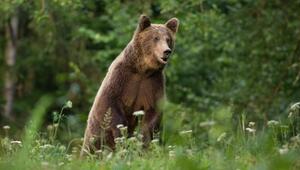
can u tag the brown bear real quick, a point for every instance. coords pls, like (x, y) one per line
(134, 81)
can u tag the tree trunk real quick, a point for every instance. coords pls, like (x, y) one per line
(11, 33)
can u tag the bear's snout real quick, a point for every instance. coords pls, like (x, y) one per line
(166, 55)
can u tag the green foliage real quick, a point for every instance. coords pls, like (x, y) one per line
(235, 62)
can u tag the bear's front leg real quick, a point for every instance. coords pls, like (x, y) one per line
(102, 130)
(92, 136)
(150, 124)
(117, 119)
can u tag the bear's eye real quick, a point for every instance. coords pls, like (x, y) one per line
(168, 40)
(156, 39)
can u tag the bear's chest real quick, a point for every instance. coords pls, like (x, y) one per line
(138, 94)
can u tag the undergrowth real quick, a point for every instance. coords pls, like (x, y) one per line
(209, 144)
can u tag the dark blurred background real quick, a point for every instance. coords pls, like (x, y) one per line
(242, 54)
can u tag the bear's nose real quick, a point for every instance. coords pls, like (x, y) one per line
(167, 52)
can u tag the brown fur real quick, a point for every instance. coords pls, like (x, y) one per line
(134, 81)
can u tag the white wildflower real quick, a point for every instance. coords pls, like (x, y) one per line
(132, 139)
(6, 127)
(49, 127)
(207, 123)
(250, 130)
(123, 129)
(139, 113)
(283, 150)
(185, 132)
(294, 109)
(62, 148)
(69, 157)
(273, 123)
(221, 137)
(69, 104)
(120, 126)
(74, 150)
(155, 141)
(170, 147)
(251, 124)
(17, 143)
(295, 106)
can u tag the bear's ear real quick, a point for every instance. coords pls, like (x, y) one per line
(172, 24)
(144, 22)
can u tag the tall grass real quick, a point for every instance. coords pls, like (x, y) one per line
(188, 144)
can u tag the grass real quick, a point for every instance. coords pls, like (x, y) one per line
(210, 144)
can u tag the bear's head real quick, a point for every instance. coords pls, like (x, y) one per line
(155, 42)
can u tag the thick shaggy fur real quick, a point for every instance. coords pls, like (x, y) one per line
(134, 81)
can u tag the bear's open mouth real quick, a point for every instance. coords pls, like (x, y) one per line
(165, 59)
(162, 60)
